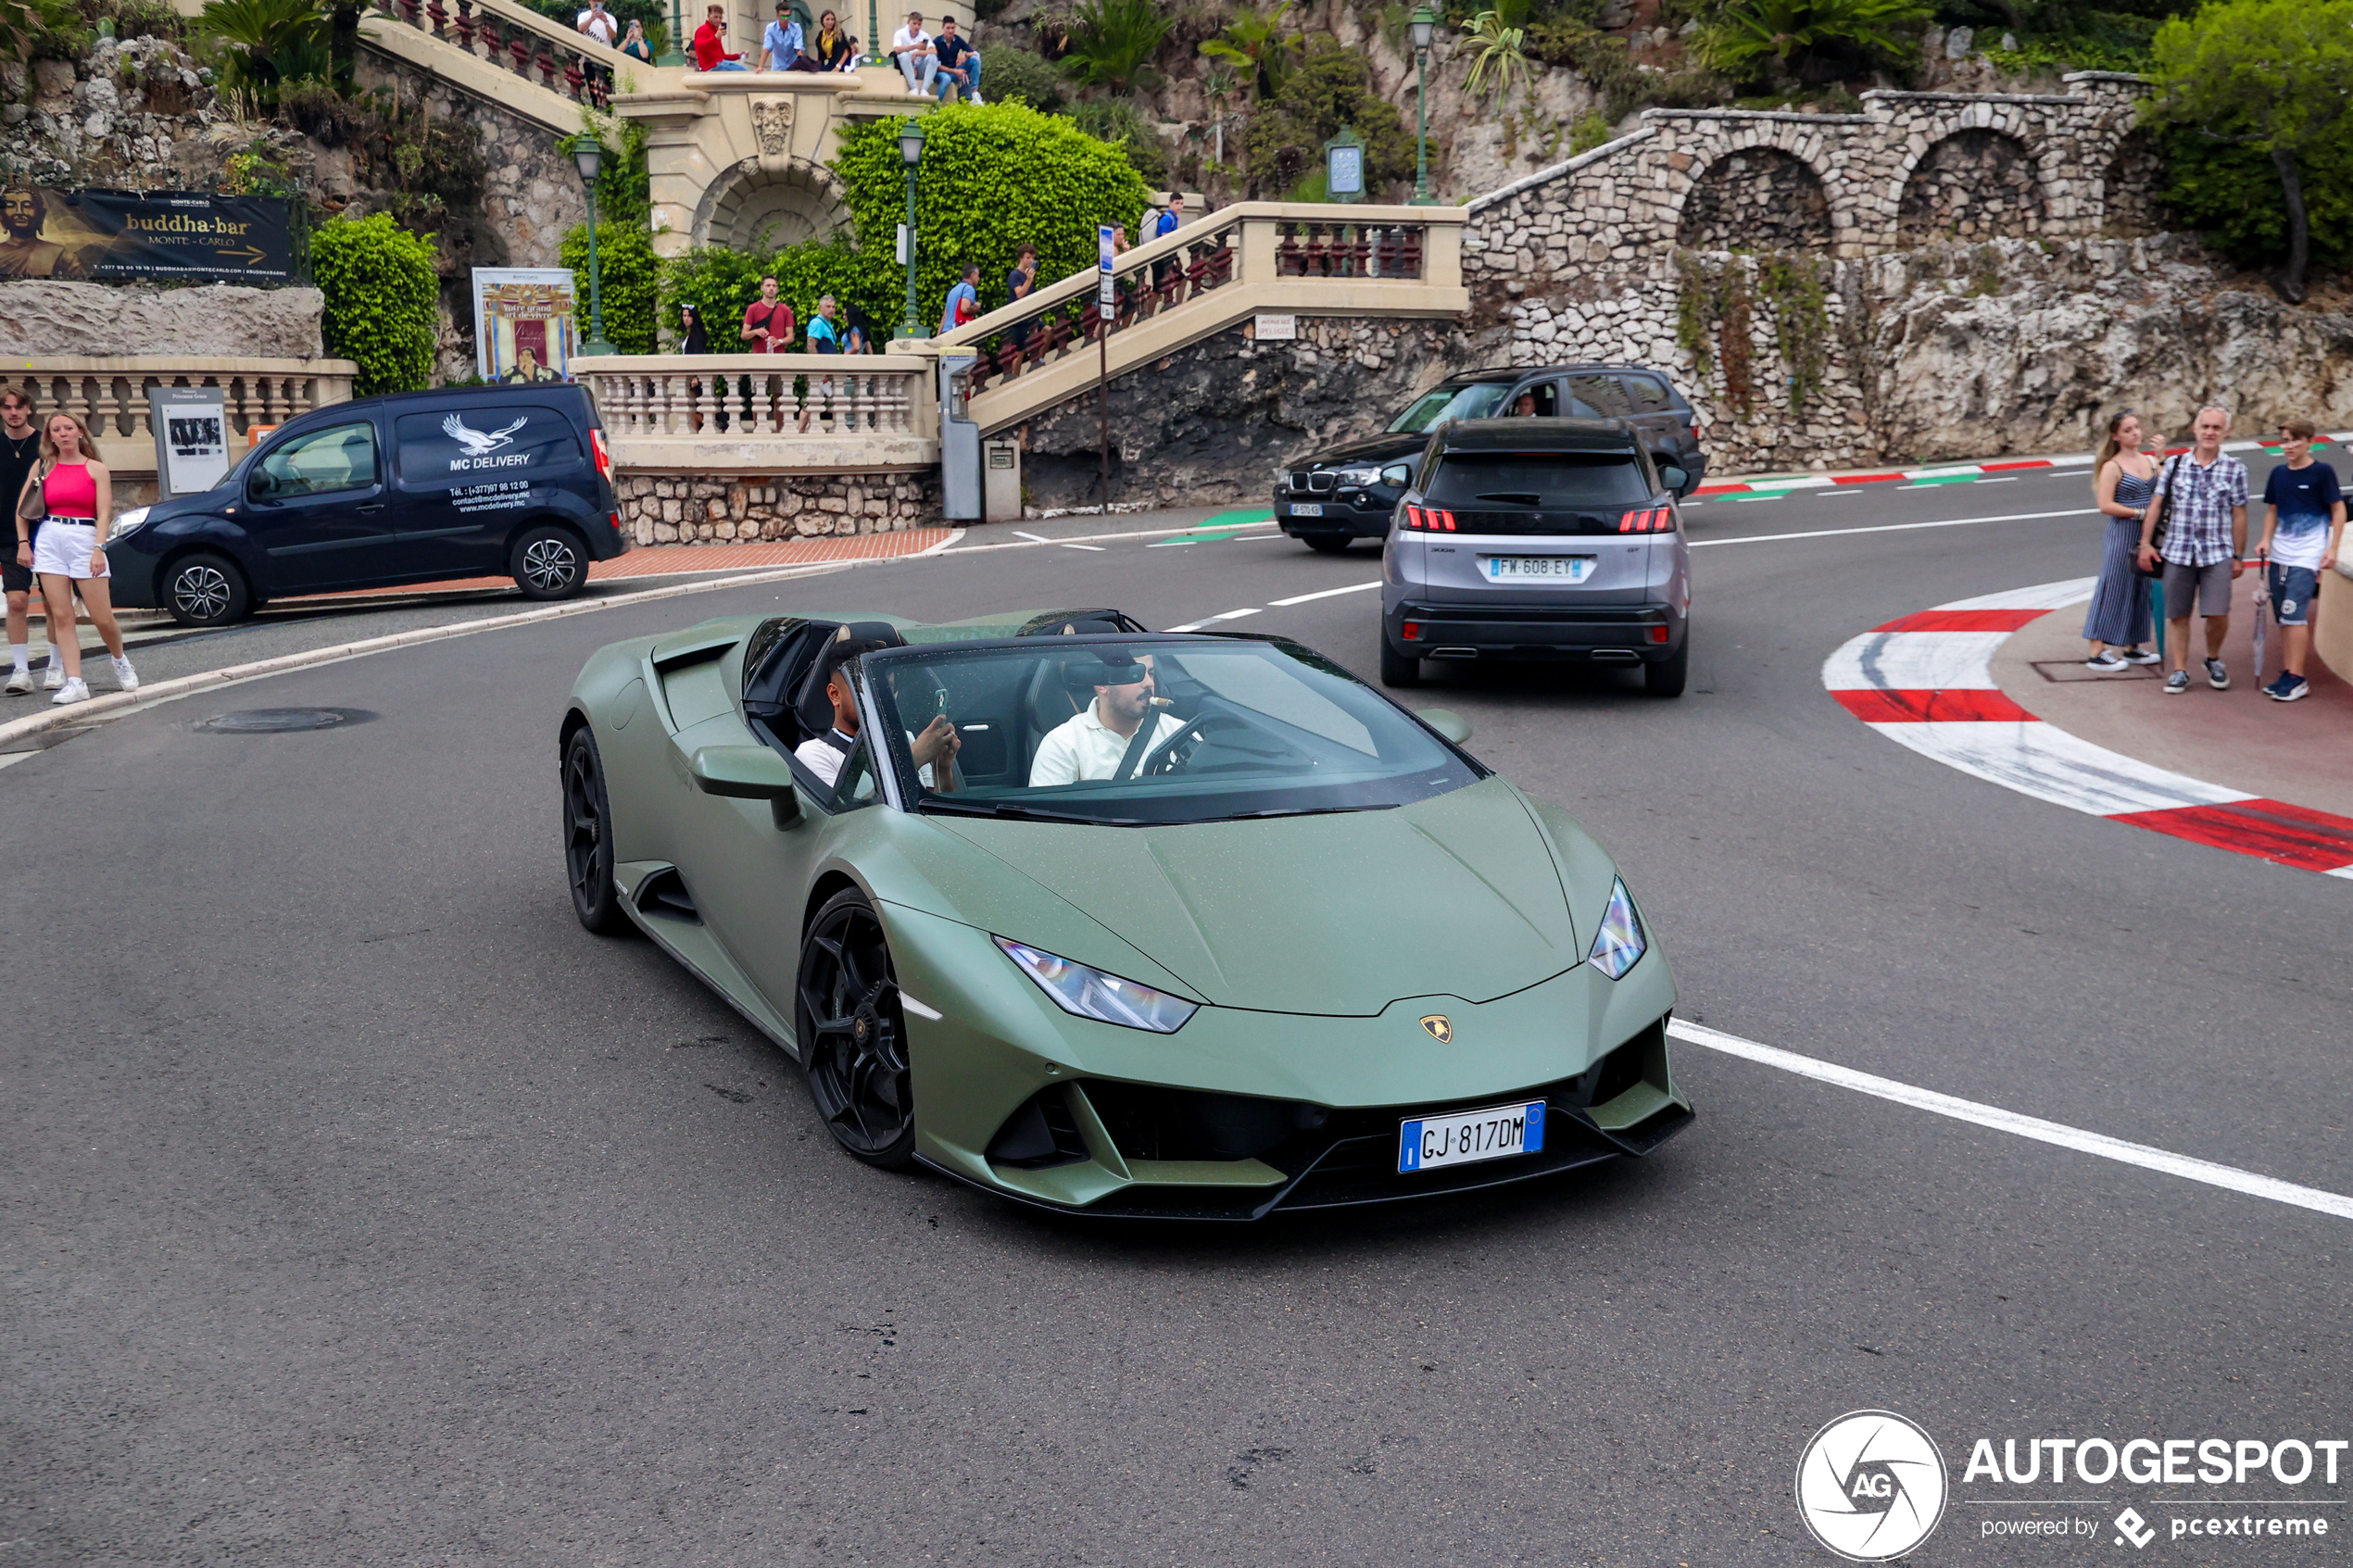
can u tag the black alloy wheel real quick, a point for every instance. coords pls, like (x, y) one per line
(548, 563)
(853, 1037)
(588, 838)
(206, 589)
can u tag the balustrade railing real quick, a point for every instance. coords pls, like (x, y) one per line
(742, 396)
(519, 40)
(1066, 318)
(111, 395)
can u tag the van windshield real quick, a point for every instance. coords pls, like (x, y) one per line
(1477, 401)
(1554, 481)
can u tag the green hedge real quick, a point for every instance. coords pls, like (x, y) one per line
(720, 284)
(380, 290)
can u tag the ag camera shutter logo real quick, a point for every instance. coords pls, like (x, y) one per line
(1871, 1486)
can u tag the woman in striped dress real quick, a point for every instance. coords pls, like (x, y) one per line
(2119, 620)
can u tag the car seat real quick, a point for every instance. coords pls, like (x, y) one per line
(811, 706)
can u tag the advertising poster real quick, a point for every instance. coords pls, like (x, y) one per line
(191, 437)
(523, 324)
(106, 236)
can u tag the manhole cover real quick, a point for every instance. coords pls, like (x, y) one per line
(273, 720)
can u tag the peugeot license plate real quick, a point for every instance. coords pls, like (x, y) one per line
(1424, 1143)
(1307, 508)
(1561, 569)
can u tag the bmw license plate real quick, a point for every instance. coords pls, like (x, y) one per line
(1563, 569)
(1424, 1143)
(1307, 508)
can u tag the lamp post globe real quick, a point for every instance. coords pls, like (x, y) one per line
(588, 156)
(911, 151)
(1424, 28)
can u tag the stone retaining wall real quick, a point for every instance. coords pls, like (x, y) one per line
(739, 509)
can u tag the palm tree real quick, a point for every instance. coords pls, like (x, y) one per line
(1256, 43)
(1218, 87)
(1114, 44)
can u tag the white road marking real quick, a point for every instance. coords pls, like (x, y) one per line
(1914, 661)
(1324, 593)
(1229, 615)
(1097, 548)
(2043, 595)
(2229, 1177)
(1897, 527)
(2036, 758)
(2011, 479)
(1039, 537)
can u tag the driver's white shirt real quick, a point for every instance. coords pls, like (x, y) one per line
(1086, 748)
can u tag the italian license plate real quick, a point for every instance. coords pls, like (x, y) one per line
(1563, 569)
(1307, 508)
(1424, 1143)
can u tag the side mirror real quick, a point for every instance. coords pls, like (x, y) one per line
(1397, 474)
(748, 772)
(1675, 479)
(1447, 722)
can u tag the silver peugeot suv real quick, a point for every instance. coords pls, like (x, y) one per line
(1539, 539)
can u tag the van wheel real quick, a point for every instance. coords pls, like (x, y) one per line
(1327, 544)
(1396, 670)
(1667, 677)
(206, 589)
(548, 563)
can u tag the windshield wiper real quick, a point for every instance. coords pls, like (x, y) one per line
(1303, 811)
(1021, 813)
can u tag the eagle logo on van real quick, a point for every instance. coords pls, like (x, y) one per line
(476, 443)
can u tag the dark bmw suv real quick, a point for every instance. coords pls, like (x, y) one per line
(1348, 492)
(416, 487)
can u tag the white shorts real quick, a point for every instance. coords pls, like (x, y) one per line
(64, 547)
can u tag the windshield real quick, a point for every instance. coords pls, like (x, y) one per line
(1137, 729)
(1476, 401)
(1551, 480)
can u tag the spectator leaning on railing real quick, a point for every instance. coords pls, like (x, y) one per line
(781, 45)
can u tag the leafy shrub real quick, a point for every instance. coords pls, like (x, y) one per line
(1119, 121)
(624, 183)
(1332, 88)
(1258, 45)
(1113, 45)
(721, 285)
(1815, 41)
(1018, 76)
(629, 279)
(380, 290)
(266, 43)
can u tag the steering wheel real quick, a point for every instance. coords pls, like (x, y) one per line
(1166, 758)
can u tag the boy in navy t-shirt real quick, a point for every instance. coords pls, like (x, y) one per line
(2304, 527)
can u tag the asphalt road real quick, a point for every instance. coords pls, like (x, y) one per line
(362, 1208)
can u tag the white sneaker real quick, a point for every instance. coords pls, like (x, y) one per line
(975, 101)
(2140, 656)
(2106, 661)
(55, 676)
(20, 683)
(72, 691)
(125, 678)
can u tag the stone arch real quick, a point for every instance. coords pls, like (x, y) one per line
(762, 203)
(2129, 205)
(1756, 198)
(1977, 183)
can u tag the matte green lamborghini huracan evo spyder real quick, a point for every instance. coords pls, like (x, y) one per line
(1119, 922)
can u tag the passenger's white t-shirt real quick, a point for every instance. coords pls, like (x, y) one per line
(1086, 748)
(604, 28)
(821, 758)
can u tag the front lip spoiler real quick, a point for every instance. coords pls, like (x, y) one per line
(1594, 1148)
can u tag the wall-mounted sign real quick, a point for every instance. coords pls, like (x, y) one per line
(523, 324)
(106, 236)
(1344, 167)
(191, 437)
(1270, 328)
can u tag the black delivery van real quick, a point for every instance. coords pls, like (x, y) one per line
(416, 487)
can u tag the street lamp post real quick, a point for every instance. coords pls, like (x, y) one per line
(588, 153)
(873, 35)
(911, 151)
(673, 53)
(1424, 27)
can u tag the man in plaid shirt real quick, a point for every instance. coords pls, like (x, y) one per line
(2204, 495)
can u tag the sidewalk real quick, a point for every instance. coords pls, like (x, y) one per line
(2301, 752)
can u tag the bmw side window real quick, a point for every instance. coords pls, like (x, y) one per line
(339, 458)
(1601, 395)
(1648, 394)
(1536, 400)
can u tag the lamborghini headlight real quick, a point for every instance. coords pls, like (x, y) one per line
(1089, 992)
(1620, 940)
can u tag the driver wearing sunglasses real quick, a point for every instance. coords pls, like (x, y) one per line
(1092, 743)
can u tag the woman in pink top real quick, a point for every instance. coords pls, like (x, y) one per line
(77, 490)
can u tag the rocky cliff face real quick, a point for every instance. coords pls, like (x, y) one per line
(42, 319)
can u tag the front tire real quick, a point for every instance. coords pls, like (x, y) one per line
(1667, 677)
(1327, 544)
(852, 1034)
(588, 838)
(548, 563)
(1398, 669)
(206, 589)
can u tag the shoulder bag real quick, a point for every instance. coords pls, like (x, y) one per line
(33, 504)
(2164, 518)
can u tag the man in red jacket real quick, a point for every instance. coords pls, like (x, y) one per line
(711, 44)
